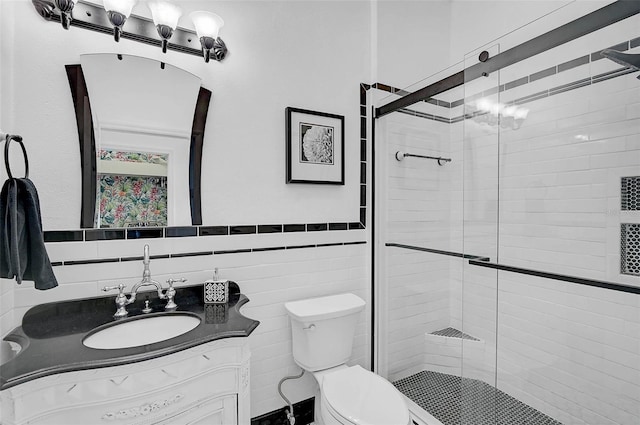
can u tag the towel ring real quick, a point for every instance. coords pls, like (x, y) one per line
(8, 139)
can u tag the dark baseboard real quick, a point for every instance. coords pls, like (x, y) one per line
(303, 412)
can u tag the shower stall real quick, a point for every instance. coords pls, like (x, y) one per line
(507, 229)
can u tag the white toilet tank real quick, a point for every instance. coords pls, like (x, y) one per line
(323, 330)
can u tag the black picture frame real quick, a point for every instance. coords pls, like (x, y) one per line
(314, 147)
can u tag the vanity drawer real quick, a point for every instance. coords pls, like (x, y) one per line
(206, 394)
(218, 411)
(140, 393)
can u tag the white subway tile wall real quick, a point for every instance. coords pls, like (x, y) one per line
(571, 351)
(417, 213)
(545, 196)
(268, 278)
(6, 305)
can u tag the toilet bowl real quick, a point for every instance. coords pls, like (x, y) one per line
(322, 333)
(355, 396)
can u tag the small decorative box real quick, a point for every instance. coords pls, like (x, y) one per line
(216, 291)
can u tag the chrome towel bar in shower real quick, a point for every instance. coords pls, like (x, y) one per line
(402, 155)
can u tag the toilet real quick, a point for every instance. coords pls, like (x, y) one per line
(322, 332)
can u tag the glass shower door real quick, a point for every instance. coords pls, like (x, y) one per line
(551, 157)
(418, 236)
(480, 126)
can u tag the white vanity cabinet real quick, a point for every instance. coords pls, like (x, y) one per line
(207, 384)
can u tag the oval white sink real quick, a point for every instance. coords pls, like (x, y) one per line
(135, 333)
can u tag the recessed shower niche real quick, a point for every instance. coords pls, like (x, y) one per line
(141, 127)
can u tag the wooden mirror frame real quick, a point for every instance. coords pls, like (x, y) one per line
(86, 139)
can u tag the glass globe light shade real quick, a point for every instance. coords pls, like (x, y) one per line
(165, 13)
(207, 24)
(121, 6)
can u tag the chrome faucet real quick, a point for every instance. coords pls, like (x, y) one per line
(122, 300)
(146, 279)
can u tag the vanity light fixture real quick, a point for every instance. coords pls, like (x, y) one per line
(118, 11)
(65, 6)
(207, 27)
(110, 19)
(165, 17)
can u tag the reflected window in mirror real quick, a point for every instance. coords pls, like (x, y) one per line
(132, 189)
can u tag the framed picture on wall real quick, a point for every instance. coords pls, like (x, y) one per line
(315, 147)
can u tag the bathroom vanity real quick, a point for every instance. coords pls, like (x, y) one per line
(198, 377)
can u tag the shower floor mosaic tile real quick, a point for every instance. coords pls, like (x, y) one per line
(462, 401)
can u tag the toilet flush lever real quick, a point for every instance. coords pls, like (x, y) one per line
(311, 327)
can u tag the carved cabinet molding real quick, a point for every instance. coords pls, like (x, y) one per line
(204, 384)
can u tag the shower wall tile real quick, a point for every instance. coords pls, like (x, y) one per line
(567, 349)
(616, 159)
(418, 215)
(606, 99)
(602, 66)
(557, 322)
(558, 202)
(560, 344)
(621, 128)
(633, 111)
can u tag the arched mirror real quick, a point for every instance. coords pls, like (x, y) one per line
(141, 126)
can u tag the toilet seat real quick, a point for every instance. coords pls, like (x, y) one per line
(356, 396)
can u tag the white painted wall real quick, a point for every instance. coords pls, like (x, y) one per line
(281, 54)
(475, 23)
(411, 40)
(414, 40)
(311, 55)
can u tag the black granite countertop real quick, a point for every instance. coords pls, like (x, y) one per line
(51, 334)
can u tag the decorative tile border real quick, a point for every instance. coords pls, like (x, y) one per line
(363, 158)
(89, 235)
(303, 412)
(556, 69)
(630, 193)
(200, 253)
(630, 249)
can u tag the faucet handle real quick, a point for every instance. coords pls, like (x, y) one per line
(119, 288)
(171, 281)
(121, 300)
(171, 292)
